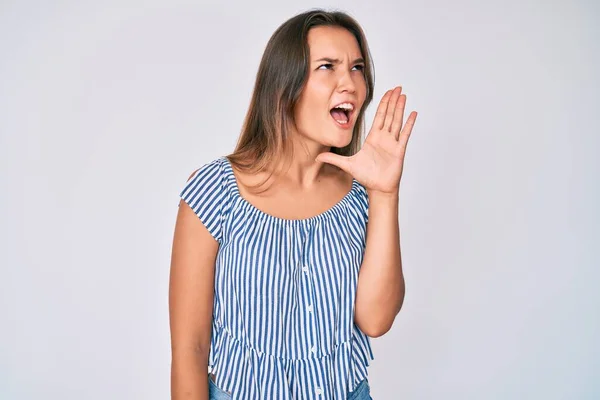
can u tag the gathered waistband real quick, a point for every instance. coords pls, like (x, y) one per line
(362, 391)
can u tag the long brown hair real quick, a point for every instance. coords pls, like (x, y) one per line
(281, 76)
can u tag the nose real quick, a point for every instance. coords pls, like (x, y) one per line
(345, 82)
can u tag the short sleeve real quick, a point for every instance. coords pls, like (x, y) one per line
(205, 193)
(362, 201)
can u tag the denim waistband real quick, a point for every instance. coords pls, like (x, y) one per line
(361, 392)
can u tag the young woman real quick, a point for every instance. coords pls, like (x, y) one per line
(277, 281)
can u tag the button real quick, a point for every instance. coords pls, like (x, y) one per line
(310, 308)
(305, 269)
(319, 391)
(313, 349)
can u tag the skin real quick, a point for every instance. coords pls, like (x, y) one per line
(315, 180)
(191, 287)
(307, 187)
(378, 166)
(329, 84)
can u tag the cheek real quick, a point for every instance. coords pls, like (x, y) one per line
(304, 115)
(361, 87)
(311, 107)
(319, 89)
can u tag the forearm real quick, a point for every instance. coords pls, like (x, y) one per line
(380, 291)
(189, 376)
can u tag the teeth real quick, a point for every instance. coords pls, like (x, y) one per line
(345, 106)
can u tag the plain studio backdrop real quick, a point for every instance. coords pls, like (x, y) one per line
(107, 107)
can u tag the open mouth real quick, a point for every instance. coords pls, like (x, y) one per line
(342, 113)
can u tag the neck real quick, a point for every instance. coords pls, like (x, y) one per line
(300, 166)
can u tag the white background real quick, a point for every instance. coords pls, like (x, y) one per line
(106, 107)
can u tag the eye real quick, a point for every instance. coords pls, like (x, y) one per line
(327, 66)
(359, 67)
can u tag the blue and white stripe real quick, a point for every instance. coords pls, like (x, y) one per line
(283, 317)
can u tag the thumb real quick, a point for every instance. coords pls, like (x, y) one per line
(342, 162)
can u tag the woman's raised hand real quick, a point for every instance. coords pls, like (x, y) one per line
(378, 164)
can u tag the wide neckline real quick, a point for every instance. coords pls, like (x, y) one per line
(233, 184)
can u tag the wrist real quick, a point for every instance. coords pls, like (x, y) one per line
(376, 195)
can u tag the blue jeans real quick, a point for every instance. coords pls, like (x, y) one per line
(215, 392)
(362, 392)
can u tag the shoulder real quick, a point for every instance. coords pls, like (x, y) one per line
(206, 193)
(360, 199)
(361, 189)
(212, 168)
(208, 183)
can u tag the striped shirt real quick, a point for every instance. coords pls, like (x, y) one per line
(283, 314)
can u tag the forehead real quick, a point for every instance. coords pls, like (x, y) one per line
(330, 41)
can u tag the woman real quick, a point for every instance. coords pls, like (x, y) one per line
(265, 291)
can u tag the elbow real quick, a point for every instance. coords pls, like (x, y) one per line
(373, 325)
(376, 330)
(376, 324)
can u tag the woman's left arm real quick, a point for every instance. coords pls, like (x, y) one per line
(378, 166)
(380, 291)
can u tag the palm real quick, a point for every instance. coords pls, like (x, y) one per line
(378, 166)
(379, 163)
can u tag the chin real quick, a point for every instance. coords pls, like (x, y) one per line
(334, 138)
(337, 145)
(341, 141)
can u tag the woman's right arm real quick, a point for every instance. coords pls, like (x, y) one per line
(191, 291)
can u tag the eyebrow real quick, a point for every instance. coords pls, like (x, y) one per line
(337, 61)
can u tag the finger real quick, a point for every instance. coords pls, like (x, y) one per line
(407, 130)
(381, 110)
(342, 162)
(389, 115)
(398, 116)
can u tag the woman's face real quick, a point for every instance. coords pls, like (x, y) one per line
(335, 79)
